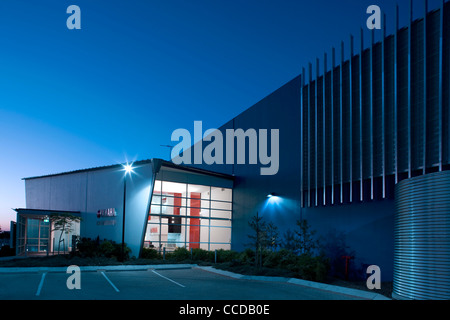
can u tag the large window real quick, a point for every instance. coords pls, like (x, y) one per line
(33, 234)
(189, 215)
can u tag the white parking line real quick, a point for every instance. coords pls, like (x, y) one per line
(167, 278)
(110, 282)
(38, 292)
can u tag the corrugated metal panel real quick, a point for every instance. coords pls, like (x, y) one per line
(422, 237)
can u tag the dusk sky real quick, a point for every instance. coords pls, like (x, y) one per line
(137, 70)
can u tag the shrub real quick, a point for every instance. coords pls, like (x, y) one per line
(179, 254)
(202, 255)
(89, 248)
(226, 255)
(280, 259)
(247, 256)
(106, 249)
(304, 266)
(118, 251)
(312, 268)
(150, 253)
(6, 251)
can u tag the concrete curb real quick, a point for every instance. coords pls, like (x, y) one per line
(316, 285)
(98, 268)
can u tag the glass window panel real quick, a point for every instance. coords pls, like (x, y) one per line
(184, 211)
(197, 221)
(43, 245)
(31, 248)
(174, 199)
(220, 235)
(198, 203)
(204, 233)
(175, 224)
(196, 234)
(204, 204)
(152, 235)
(174, 187)
(157, 186)
(44, 232)
(33, 228)
(170, 210)
(221, 205)
(170, 246)
(222, 194)
(220, 223)
(155, 209)
(153, 218)
(176, 238)
(221, 214)
(204, 213)
(198, 191)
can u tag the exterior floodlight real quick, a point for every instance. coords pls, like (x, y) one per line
(273, 198)
(128, 168)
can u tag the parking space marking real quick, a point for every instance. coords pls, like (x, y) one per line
(41, 284)
(110, 282)
(168, 279)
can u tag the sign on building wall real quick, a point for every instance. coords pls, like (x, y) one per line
(106, 213)
(110, 212)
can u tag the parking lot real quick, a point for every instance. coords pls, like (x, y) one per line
(166, 284)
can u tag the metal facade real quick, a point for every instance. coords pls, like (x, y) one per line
(379, 117)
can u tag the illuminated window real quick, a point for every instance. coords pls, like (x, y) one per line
(190, 216)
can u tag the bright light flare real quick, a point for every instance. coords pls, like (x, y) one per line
(128, 168)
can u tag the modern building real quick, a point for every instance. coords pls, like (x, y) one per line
(357, 136)
(166, 206)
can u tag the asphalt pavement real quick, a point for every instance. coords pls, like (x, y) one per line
(165, 282)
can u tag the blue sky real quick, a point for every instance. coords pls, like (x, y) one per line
(137, 70)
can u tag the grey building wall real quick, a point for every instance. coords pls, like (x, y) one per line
(93, 190)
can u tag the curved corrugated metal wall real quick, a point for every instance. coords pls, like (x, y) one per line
(422, 237)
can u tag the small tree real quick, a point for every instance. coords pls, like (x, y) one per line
(305, 237)
(63, 222)
(272, 236)
(265, 236)
(301, 240)
(258, 238)
(289, 241)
